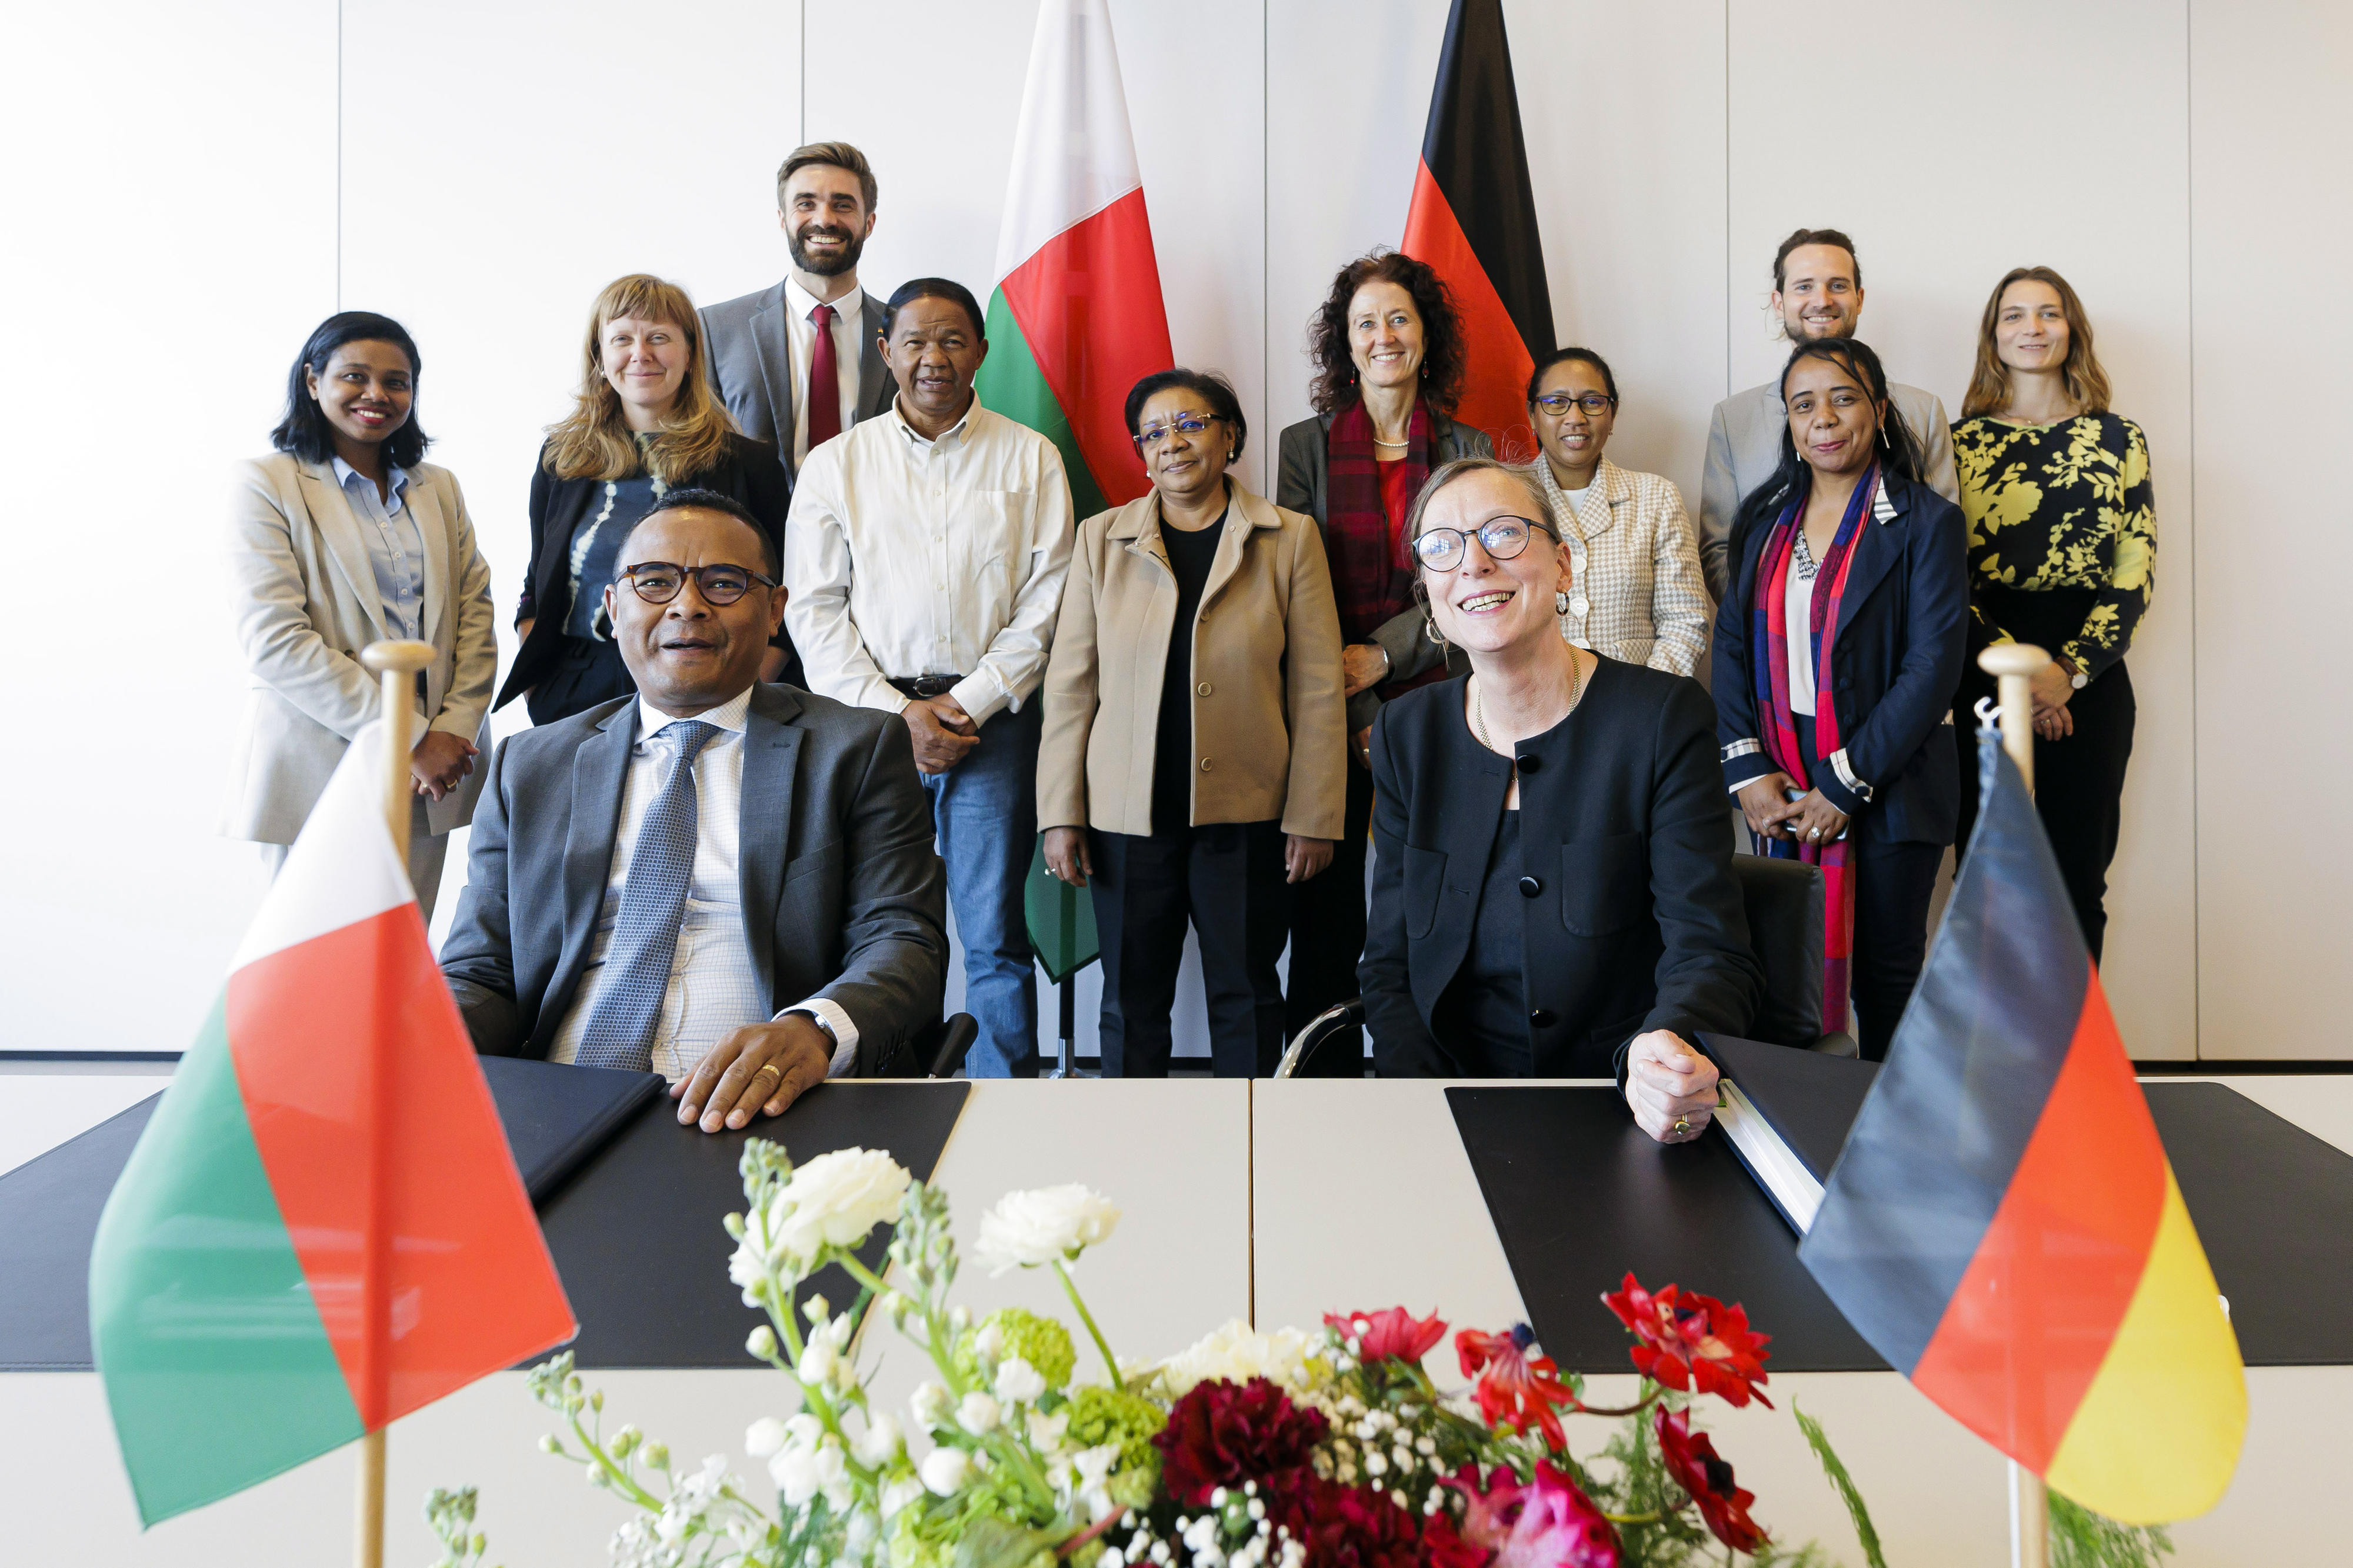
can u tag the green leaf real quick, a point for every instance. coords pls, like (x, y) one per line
(1836, 1471)
(995, 1543)
(2082, 1539)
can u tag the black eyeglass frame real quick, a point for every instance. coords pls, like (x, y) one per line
(1462, 541)
(702, 583)
(1582, 400)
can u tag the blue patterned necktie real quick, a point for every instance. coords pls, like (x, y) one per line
(653, 901)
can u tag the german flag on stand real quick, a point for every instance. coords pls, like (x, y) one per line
(2004, 1225)
(1473, 222)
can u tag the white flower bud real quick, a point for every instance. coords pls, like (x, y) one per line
(764, 1436)
(943, 1470)
(978, 1413)
(930, 1404)
(1019, 1382)
(817, 1359)
(899, 1493)
(815, 1309)
(761, 1342)
(959, 1319)
(879, 1443)
(989, 1342)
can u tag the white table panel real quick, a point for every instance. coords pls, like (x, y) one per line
(40, 1110)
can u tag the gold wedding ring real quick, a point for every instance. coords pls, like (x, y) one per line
(764, 1071)
(1682, 1125)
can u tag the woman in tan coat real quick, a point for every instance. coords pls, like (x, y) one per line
(1193, 759)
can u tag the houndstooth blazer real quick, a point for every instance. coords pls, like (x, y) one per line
(1637, 596)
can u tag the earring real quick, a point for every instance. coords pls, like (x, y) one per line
(1560, 602)
(1430, 629)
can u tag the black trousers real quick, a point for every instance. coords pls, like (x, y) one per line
(1225, 880)
(585, 674)
(2079, 786)
(1327, 939)
(1893, 883)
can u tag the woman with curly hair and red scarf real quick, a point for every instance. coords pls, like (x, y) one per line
(1837, 654)
(1389, 360)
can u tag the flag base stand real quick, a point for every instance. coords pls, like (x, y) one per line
(367, 1506)
(1066, 1062)
(2030, 1519)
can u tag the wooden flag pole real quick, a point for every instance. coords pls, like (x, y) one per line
(398, 664)
(2012, 666)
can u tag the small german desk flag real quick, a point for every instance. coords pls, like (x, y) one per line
(1473, 222)
(2004, 1225)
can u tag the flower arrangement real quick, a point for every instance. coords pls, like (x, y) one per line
(1329, 1449)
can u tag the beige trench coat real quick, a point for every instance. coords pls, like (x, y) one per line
(1269, 725)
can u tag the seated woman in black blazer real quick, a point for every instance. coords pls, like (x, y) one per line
(1552, 892)
(644, 422)
(1837, 653)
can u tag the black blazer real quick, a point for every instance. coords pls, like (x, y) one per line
(748, 472)
(843, 894)
(1301, 484)
(1893, 665)
(1637, 925)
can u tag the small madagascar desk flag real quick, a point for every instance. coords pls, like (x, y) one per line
(1075, 319)
(1473, 221)
(321, 1228)
(2004, 1225)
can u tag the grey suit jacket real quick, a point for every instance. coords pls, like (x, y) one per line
(1301, 486)
(1744, 447)
(750, 361)
(843, 894)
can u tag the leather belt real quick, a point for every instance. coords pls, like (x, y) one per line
(925, 685)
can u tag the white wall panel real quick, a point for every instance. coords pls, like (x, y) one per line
(170, 187)
(2272, 225)
(1946, 177)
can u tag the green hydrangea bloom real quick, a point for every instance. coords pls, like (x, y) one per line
(1043, 1343)
(1099, 1416)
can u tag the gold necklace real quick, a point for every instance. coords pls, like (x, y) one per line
(1479, 704)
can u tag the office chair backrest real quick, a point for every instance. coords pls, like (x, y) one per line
(1784, 902)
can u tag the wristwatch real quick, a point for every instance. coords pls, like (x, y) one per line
(2075, 675)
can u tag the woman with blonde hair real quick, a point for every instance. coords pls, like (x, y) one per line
(644, 423)
(2063, 547)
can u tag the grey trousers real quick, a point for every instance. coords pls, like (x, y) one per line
(426, 851)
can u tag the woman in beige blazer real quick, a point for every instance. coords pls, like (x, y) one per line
(343, 538)
(1194, 759)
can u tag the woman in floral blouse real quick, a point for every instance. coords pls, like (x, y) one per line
(2063, 547)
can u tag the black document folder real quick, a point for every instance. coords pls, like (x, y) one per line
(1786, 1113)
(1579, 1196)
(555, 1117)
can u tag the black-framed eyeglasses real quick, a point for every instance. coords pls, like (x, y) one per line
(1596, 404)
(1151, 435)
(1503, 538)
(657, 582)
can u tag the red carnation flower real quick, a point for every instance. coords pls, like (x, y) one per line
(1222, 1434)
(1693, 1341)
(1697, 1466)
(1347, 1526)
(1443, 1547)
(1393, 1331)
(1546, 1523)
(1517, 1389)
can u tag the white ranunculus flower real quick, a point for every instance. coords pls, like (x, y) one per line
(879, 1443)
(1238, 1354)
(833, 1201)
(1027, 1229)
(978, 1413)
(943, 1470)
(764, 1436)
(1019, 1382)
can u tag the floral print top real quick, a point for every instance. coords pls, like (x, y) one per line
(2066, 505)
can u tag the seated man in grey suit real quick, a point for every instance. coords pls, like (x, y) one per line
(730, 883)
(800, 361)
(1818, 293)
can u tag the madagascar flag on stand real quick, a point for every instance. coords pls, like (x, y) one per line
(1473, 220)
(1075, 319)
(321, 1229)
(2004, 1225)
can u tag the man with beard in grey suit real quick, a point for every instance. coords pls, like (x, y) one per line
(731, 883)
(817, 328)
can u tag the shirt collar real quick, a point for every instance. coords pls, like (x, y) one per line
(800, 301)
(394, 472)
(962, 427)
(731, 715)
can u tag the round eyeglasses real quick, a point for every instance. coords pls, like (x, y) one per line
(1151, 435)
(1503, 538)
(1596, 404)
(657, 582)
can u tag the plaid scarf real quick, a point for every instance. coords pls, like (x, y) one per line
(1769, 634)
(1367, 546)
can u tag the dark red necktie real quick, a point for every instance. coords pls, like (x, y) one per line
(825, 381)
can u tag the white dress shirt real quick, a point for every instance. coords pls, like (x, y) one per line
(849, 323)
(909, 557)
(713, 989)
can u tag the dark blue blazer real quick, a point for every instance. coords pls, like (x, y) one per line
(1891, 668)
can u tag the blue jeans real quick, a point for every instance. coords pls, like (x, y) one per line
(985, 810)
